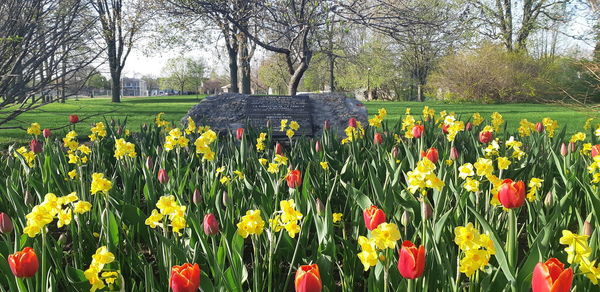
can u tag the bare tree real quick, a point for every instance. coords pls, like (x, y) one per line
(121, 21)
(43, 43)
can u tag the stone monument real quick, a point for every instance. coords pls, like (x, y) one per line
(229, 111)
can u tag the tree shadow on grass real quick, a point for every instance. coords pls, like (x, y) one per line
(163, 100)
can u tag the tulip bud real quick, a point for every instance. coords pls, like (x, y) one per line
(469, 126)
(573, 147)
(326, 125)
(225, 198)
(35, 146)
(352, 122)
(112, 122)
(73, 119)
(62, 239)
(454, 154)
(119, 130)
(548, 199)
(47, 133)
(6, 225)
(318, 146)
(587, 228)
(278, 148)
(149, 162)
(426, 210)
(239, 133)
(395, 151)
(163, 176)
(563, 149)
(405, 220)
(539, 127)
(377, 139)
(268, 124)
(28, 198)
(197, 197)
(210, 224)
(320, 206)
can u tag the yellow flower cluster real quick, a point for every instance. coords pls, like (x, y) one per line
(526, 128)
(203, 142)
(278, 161)
(53, 207)
(337, 217)
(384, 236)
(579, 252)
(477, 119)
(78, 154)
(378, 118)
(454, 127)
(588, 124)
(550, 126)
(287, 218)
(29, 156)
(534, 185)
(492, 148)
(516, 148)
(100, 184)
(160, 123)
(428, 113)
(408, 122)
(191, 126)
(423, 177)
(477, 248)
(98, 131)
(353, 133)
(579, 136)
(123, 149)
(35, 129)
(251, 223)
(594, 169)
(497, 121)
(260, 142)
(291, 128)
(169, 208)
(175, 139)
(98, 281)
(324, 165)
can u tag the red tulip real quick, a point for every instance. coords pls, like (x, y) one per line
(239, 133)
(278, 148)
(469, 126)
(352, 122)
(454, 154)
(411, 260)
(308, 279)
(539, 127)
(551, 276)
(445, 129)
(485, 137)
(563, 149)
(73, 119)
(378, 139)
(23, 264)
(163, 176)
(6, 225)
(35, 146)
(431, 154)
(418, 130)
(294, 178)
(46, 133)
(211, 225)
(185, 278)
(373, 217)
(512, 194)
(595, 150)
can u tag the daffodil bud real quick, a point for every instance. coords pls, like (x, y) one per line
(426, 210)
(587, 228)
(28, 198)
(548, 200)
(62, 239)
(149, 162)
(197, 197)
(320, 206)
(225, 199)
(405, 220)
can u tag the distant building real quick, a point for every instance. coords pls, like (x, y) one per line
(133, 87)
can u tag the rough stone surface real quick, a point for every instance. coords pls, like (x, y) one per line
(227, 112)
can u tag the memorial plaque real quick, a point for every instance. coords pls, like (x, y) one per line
(261, 110)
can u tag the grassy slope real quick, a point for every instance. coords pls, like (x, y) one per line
(142, 110)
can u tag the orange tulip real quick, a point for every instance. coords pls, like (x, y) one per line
(294, 178)
(23, 264)
(551, 276)
(373, 217)
(411, 260)
(486, 137)
(239, 133)
(378, 139)
(431, 154)
(185, 278)
(308, 279)
(512, 194)
(595, 150)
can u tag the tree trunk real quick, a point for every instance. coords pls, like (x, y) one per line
(331, 73)
(244, 62)
(298, 73)
(115, 86)
(419, 93)
(233, 69)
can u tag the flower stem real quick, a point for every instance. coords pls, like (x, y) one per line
(512, 243)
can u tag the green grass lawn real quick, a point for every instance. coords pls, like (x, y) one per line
(139, 110)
